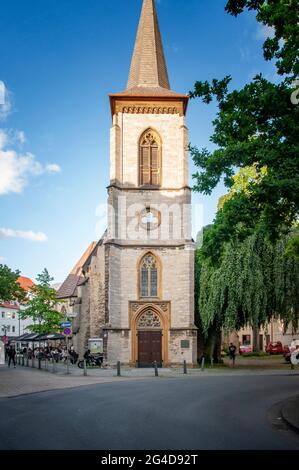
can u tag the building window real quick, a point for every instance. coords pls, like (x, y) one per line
(150, 159)
(150, 218)
(13, 316)
(3, 314)
(149, 276)
(13, 329)
(246, 340)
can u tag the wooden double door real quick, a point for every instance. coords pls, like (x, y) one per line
(149, 348)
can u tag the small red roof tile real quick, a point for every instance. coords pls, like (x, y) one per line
(10, 306)
(26, 283)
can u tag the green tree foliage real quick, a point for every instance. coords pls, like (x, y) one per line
(292, 249)
(282, 17)
(42, 307)
(255, 126)
(254, 283)
(10, 289)
(258, 127)
(247, 269)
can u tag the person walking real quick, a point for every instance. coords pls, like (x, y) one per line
(73, 355)
(232, 354)
(12, 356)
(64, 355)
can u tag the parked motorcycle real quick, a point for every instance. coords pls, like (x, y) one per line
(292, 357)
(92, 361)
(295, 357)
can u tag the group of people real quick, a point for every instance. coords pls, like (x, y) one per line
(58, 354)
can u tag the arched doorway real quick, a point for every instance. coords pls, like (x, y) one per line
(149, 333)
(152, 317)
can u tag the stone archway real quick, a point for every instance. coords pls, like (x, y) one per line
(149, 334)
(149, 326)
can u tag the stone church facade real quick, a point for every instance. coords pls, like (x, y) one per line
(136, 288)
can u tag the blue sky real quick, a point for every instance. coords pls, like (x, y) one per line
(59, 59)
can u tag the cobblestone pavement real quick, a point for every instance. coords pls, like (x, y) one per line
(26, 380)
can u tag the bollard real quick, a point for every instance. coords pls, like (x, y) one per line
(185, 367)
(156, 369)
(118, 369)
(19, 360)
(27, 361)
(202, 363)
(212, 362)
(85, 369)
(46, 365)
(53, 366)
(67, 365)
(39, 363)
(23, 360)
(33, 362)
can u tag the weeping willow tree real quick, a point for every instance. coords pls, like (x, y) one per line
(252, 283)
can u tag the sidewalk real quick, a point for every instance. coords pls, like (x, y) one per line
(290, 413)
(26, 380)
(23, 381)
(250, 368)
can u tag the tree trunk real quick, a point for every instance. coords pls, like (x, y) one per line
(255, 339)
(215, 346)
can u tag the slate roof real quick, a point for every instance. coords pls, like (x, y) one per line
(148, 66)
(69, 287)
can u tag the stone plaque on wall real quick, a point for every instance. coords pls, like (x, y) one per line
(185, 344)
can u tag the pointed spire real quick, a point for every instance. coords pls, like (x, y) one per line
(148, 67)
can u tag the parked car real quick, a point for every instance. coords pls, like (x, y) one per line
(275, 348)
(245, 349)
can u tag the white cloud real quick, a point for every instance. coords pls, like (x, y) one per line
(15, 169)
(15, 166)
(264, 32)
(2, 93)
(20, 137)
(29, 235)
(3, 138)
(245, 54)
(53, 168)
(5, 101)
(11, 137)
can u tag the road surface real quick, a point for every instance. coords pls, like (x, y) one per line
(199, 413)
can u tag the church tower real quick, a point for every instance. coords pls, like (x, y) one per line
(149, 253)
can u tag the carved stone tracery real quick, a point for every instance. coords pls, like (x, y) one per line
(135, 306)
(149, 319)
(148, 110)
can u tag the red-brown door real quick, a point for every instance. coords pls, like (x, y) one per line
(149, 348)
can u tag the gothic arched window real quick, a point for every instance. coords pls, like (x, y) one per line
(150, 159)
(149, 319)
(149, 276)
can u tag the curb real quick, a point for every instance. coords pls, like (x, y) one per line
(290, 413)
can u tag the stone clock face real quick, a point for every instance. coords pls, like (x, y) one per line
(150, 218)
